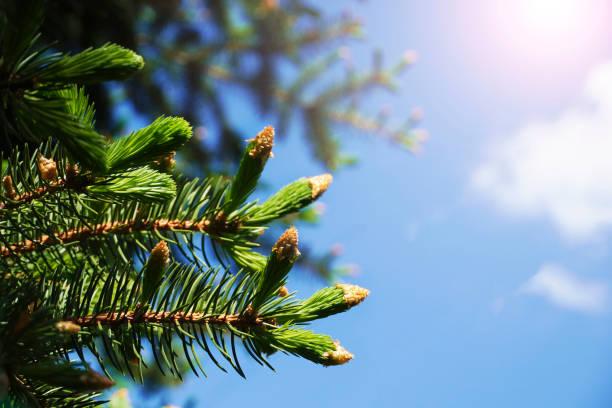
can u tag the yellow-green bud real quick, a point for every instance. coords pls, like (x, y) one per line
(353, 294)
(160, 256)
(338, 356)
(153, 269)
(47, 167)
(319, 184)
(9, 190)
(264, 141)
(287, 245)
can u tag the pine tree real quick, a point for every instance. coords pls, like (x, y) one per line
(289, 60)
(106, 254)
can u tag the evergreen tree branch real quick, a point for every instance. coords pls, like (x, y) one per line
(23, 199)
(115, 227)
(79, 215)
(143, 183)
(241, 321)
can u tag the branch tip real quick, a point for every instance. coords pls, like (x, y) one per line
(264, 141)
(319, 184)
(353, 294)
(160, 256)
(338, 356)
(166, 162)
(9, 190)
(47, 167)
(287, 245)
(72, 170)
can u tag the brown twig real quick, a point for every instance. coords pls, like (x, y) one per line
(214, 227)
(242, 321)
(72, 181)
(32, 195)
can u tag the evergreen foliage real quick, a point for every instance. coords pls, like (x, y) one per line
(289, 60)
(104, 253)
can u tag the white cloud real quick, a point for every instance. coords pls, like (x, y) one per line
(567, 290)
(559, 168)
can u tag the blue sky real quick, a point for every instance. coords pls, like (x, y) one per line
(487, 255)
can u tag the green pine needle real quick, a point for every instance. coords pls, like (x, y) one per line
(65, 116)
(162, 137)
(110, 62)
(142, 184)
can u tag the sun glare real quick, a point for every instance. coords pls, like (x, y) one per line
(532, 37)
(554, 17)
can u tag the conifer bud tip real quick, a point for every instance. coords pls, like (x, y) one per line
(287, 245)
(264, 141)
(160, 256)
(353, 294)
(338, 356)
(47, 167)
(319, 184)
(167, 162)
(9, 190)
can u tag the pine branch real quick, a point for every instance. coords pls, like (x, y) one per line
(289, 199)
(142, 184)
(251, 166)
(117, 228)
(26, 198)
(201, 305)
(109, 62)
(241, 321)
(79, 215)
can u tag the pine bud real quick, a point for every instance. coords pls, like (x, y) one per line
(274, 275)
(72, 170)
(9, 190)
(353, 294)
(264, 141)
(72, 176)
(252, 163)
(338, 356)
(287, 245)
(282, 292)
(47, 167)
(167, 162)
(319, 184)
(67, 327)
(159, 257)
(153, 269)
